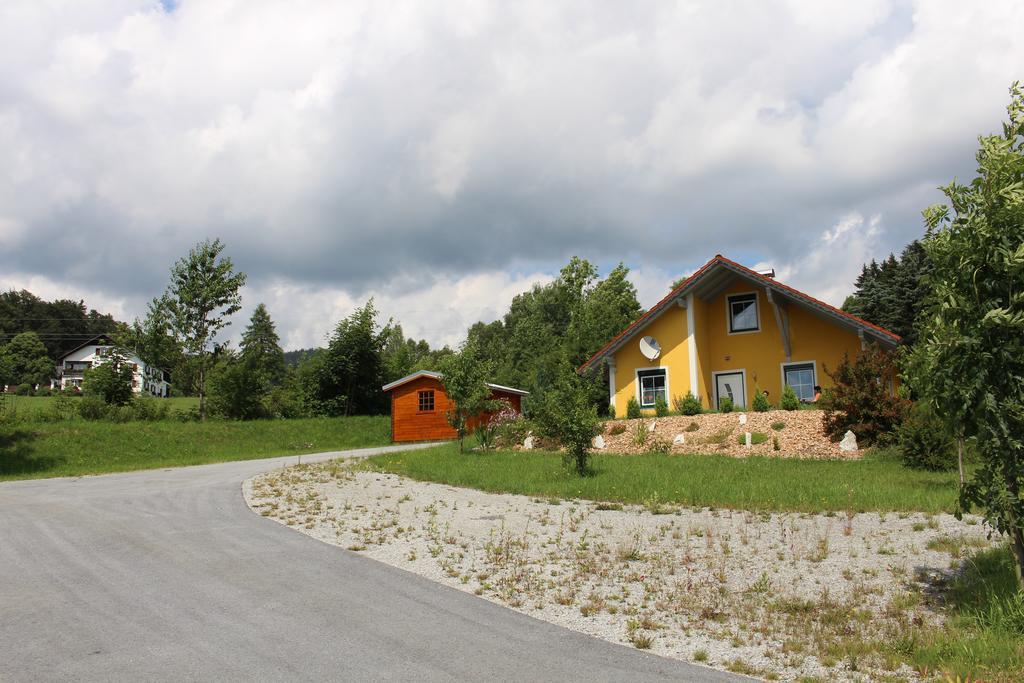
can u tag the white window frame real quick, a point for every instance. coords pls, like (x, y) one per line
(814, 371)
(639, 389)
(714, 386)
(728, 313)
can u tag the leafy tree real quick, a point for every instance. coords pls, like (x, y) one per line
(969, 363)
(893, 293)
(861, 400)
(62, 324)
(202, 295)
(111, 377)
(465, 375)
(154, 342)
(569, 416)
(261, 347)
(26, 360)
(346, 377)
(238, 389)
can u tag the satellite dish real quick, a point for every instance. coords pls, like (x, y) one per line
(650, 347)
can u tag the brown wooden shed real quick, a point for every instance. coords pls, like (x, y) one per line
(419, 406)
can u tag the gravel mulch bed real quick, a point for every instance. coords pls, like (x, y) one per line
(786, 433)
(779, 596)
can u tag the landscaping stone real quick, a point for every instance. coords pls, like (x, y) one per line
(598, 442)
(747, 439)
(679, 440)
(743, 418)
(651, 426)
(849, 442)
(528, 443)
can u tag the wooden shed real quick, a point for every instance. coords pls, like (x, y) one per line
(419, 406)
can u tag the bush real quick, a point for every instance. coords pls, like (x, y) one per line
(23, 390)
(725, 405)
(149, 409)
(789, 400)
(688, 405)
(568, 414)
(778, 426)
(237, 391)
(93, 408)
(513, 432)
(617, 428)
(692, 427)
(760, 403)
(661, 406)
(860, 400)
(659, 445)
(924, 442)
(44, 391)
(632, 409)
(640, 432)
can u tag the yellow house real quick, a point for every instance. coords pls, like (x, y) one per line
(726, 330)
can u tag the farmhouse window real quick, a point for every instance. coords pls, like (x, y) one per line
(743, 313)
(653, 383)
(801, 378)
(426, 401)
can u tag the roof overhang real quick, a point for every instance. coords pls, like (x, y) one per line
(437, 375)
(713, 278)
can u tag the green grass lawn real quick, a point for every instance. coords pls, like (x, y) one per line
(876, 482)
(56, 449)
(38, 403)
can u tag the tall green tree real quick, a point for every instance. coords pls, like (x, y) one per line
(346, 377)
(202, 295)
(893, 293)
(969, 361)
(26, 360)
(111, 377)
(261, 347)
(465, 376)
(62, 324)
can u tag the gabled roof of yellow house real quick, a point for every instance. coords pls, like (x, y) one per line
(712, 278)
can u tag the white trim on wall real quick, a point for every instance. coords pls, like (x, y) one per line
(691, 344)
(636, 382)
(714, 385)
(728, 313)
(812, 363)
(611, 387)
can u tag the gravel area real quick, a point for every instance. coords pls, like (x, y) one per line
(785, 433)
(779, 596)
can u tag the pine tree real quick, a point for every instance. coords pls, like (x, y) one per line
(261, 347)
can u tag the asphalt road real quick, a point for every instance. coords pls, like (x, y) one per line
(167, 575)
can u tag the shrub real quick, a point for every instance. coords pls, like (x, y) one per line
(725, 405)
(789, 400)
(23, 389)
(692, 427)
(237, 391)
(149, 409)
(760, 403)
(640, 432)
(860, 400)
(632, 408)
(617, 428)
(660, 406)
(44, 391)
(688, 405)
(512, 432)
(568, 414)
(659, 445)
(93, 408)
(778, 426)
(924, 441)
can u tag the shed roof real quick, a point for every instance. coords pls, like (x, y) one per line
(437, 375)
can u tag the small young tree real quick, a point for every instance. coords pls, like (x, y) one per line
(632, 409)
(202, 295)
(569, 416)
(861, 400)
(688, 404)
(789, 399)
(111, 378)
(464, 376)
(968, 364)
(760, 404)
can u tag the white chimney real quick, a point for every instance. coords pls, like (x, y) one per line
(767, 272)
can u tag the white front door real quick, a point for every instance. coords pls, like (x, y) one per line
(731, 384)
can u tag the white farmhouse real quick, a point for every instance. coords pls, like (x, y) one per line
(147, 379)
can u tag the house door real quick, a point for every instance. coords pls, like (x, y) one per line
(731, 384)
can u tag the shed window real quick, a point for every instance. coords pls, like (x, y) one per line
(743, 313)
(426, 401)
(653, 383)
(801, 378)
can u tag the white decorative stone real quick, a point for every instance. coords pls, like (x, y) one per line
(747, 439)
(528, 443)
(651, 426)
(598, 442)
(679, 440)
(743, 418)
(849, 442)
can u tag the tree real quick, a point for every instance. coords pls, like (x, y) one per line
(346, 377)
(202, 295)
(893, 294)
(154, 342)
(238, 390)
(568, 415)
(261, 347)
(860, 400)
(26, 360)
(968, 364)
(111, 377)
(465, 375)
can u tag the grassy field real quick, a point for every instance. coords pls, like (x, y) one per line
(876, 482)
(35, 403)
(75, 447)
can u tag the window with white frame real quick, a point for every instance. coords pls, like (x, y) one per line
(800, 376)
(653, 383)
(743, 313)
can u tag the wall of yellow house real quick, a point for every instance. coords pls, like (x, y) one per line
(669, 329)
(703, 391)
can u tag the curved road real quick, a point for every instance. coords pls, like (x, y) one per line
(167, 575)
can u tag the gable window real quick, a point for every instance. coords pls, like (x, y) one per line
(743, 313)
(426, 401)
(653, 383)
(800, 376)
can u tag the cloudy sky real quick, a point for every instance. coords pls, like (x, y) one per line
(442, 157)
